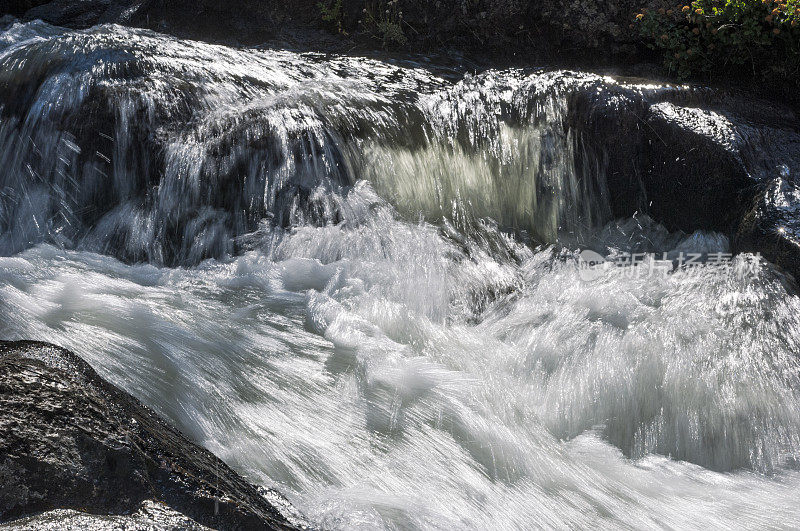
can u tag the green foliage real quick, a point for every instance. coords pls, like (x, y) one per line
(709, 36)
(384, 20)
(332, 14)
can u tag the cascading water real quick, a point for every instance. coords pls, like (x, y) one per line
(303, 263)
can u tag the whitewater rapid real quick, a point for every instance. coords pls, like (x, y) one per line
(389, 358)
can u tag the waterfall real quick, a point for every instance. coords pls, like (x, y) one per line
(358, 281)
(151, 149)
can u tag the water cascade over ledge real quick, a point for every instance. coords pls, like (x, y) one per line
(355, 280)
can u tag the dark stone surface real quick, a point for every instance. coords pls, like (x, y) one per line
(697, 159)
(772, 226)
(70, 440)
(668, 158)
(71, 13)
(248, 21)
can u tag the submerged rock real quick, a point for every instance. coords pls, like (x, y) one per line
(72, 441)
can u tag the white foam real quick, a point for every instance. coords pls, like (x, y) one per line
(350, 368)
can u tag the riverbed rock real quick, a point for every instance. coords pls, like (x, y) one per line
(71, 441)
(693, 158)
(772, 226)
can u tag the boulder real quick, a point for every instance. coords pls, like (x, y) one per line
(693, 158)
(71, 441)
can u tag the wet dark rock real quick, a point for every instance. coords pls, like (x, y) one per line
(696, 159)
(70, 440)
(695, 178)
(672, 161)
(772, 226)
(691, 158)
(70, 13)
(111, 126)
(242, 21)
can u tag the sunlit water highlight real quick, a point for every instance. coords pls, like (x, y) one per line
(386, 370)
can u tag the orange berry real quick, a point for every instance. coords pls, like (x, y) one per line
(661, 11)
(696, 31)
(768, 18)
(686, 9)
(776, 31)
(670, 12)
(698, 11)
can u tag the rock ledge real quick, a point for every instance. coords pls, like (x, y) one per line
(70, 440)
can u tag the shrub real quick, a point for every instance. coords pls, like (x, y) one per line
(384, 20)
(711, 36)
(332, 14)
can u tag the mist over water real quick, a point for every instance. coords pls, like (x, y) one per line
(302, 263)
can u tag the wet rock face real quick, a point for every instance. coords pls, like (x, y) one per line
(70, 440)
(73, 13)
(245, 20)
(674, 160)
(772, 226)
(152, 149)
(693, 158)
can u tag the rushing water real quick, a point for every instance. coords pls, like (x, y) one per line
(298, 260)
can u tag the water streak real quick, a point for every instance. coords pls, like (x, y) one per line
(350, 325)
